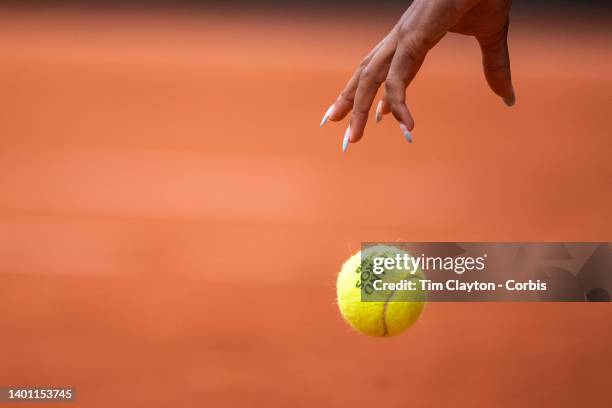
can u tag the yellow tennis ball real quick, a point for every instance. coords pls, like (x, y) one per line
(391, 311)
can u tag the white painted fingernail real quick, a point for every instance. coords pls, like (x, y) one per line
(406, 132)
(345, 141)
(326, 116)
(379, 112)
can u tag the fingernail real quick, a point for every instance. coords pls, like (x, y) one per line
(379, 115)
(345, 141)
(406, 132)
(509, 101)
(326, 116)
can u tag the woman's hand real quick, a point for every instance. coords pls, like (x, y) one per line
(397, 58)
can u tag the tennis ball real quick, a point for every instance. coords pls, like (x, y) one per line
(382, 313)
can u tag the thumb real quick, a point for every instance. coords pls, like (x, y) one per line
(496, 64)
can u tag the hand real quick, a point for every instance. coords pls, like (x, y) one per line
(398, 57)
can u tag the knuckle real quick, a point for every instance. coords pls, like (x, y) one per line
(363, 64)
(392, 86)
(416, 43)
(495, 41)
(405, 31)
(360, 111)
(365, 74)
(346, 96)
(491, 42)
(369, 77)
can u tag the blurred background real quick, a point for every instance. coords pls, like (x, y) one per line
(172, 218)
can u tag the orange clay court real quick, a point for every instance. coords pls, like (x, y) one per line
(172, 218)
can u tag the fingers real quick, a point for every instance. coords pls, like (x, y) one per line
(344, 103)
(404, 68)
(384, 107)
(496, 63)
(395, 61)
(370, 80)
(420, 32)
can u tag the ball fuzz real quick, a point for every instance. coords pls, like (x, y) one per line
(377, 313)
